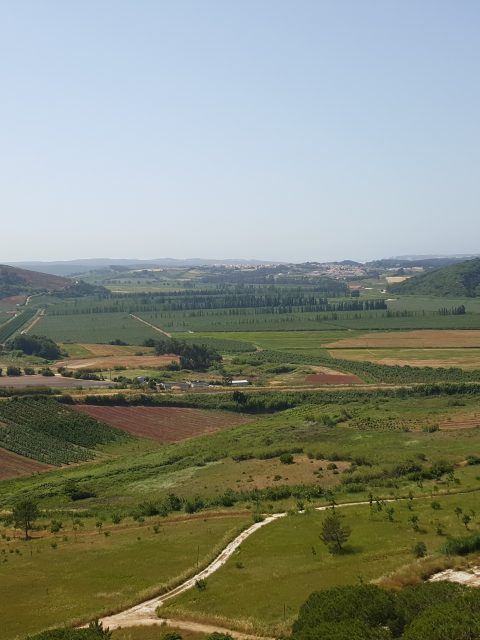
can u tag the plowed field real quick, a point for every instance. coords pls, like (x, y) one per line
(165, 424)
(14, 466)
(411, 339)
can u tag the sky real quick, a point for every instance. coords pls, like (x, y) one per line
(271, 129)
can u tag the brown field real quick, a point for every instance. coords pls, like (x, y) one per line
(463, 358)
(465, 421)
(117, 350)
(14, 466)
(424, 338)
(13, 300)
(165, 424)
(110, 362)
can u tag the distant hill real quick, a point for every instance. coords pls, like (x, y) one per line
(15, 281)
(457, 280)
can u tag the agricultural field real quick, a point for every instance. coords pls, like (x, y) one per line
(410, 340)
(165, 424)
(89, 328)
(50, 433)
(14, 466)
(466, 358)
(111, 565)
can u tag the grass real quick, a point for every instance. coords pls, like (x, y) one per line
(88, 574)
(278, 567)
(95, 327)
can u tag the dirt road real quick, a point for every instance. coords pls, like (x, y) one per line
(152, 326)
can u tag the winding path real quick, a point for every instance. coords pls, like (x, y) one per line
(145, 613)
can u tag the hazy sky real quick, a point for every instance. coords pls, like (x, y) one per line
(239, 128)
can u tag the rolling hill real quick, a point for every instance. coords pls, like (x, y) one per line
(15, 281)
(456, 280)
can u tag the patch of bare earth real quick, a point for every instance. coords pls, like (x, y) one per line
(110, 362)
(165, 424)
(13, 466)
(116, 349)
(424, 338)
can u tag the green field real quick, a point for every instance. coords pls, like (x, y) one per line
(92, 328)
(54, 580)
(276, 569)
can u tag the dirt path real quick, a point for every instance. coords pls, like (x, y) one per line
(145, 612)
(152, 326)
(37, 317)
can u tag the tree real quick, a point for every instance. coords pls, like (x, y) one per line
(24, 514)
(420, 550)
(334, 534)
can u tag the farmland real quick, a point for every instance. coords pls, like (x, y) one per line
(13, 465)
(157, 478)
(165, 424)
(94, 328)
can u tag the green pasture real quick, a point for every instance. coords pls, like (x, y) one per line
(53, 580)
(276, 569)
(94, 328)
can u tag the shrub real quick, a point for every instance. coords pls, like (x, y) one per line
(286, 458)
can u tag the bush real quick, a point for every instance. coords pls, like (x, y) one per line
(420, 550)
(462, 545)
(13, 371)
(367, 604)
(286, 458)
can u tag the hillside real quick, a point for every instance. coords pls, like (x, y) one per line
(456, 280)
(15, 281)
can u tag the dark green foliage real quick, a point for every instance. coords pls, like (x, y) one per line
(196, 357)
(457, 280)
(413, 600)
(25, 512)
(365, 603)
(456, 619)
(45, 430)
(430, 611)
(345, 630)
(35, 345)
(463, 545)
(334, 534)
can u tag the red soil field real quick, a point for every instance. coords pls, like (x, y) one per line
(164, 424)
(333, 378)
(14, 466)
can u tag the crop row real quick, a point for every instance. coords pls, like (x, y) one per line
(48, 417)
(11, 326)
(40, 446)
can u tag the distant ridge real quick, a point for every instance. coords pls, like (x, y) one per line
(71, 267)
(457, 280)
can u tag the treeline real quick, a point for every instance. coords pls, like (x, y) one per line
(368, 371)
(34, 345)
(196, 357)
(272, 401)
